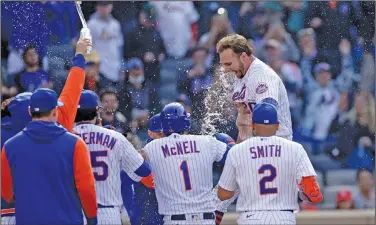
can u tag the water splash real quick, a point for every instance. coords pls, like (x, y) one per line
(218, 104)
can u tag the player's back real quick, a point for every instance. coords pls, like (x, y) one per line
(266, 171)
(104, 146)
(182, 166)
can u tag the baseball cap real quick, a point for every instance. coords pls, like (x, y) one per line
(344, 195)
(322, 66)
(44, 100)
(272, 43)
(89, 100)
(135, 63)
(265, 113)
(149, 11)
(155, 124)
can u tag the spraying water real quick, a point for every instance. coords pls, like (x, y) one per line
(218, 104)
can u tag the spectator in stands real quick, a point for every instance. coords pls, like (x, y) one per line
(253, 21)
(365, 198)
(110, 114)
(93, 76)
(145, 42)
(178, 26)
(62, 22)
(293, 16)
(220, 26)
(107, 41)
(345, 200)
(323, 100)
(143, 98)
(33, 76)
(290, 74)
(197, 82)
(28, 26)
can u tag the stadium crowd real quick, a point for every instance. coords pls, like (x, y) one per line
(147, 54)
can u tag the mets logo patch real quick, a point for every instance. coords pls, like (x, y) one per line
(261, 88)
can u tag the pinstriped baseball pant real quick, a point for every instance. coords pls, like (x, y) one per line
(8, 220)
(110, 216)
(266, 217)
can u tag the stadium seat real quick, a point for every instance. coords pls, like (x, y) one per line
(341, 177)
(320, 178)
(330, 194)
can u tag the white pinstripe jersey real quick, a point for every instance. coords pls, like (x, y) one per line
(182, 166)
(110, 152)
(267, 171)
(261, 82)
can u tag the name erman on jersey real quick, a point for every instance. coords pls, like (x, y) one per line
(99, 139)
(182, 148)
(265, 151)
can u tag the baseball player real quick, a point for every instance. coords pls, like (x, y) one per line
(139, 197)
(19, 115)
(255, 82)
(47, 169)
(268, 170)
(182, 169)
(110, 152)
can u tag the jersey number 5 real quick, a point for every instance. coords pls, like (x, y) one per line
(96, 163)
(187, 179)
(273, 174)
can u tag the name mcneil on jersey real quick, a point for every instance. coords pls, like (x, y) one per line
(265, 151)
(180, 148)
(97, 138)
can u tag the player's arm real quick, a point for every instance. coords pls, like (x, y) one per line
(227, 183)
(131, 160)
(306, 175)
(71, 92)
(84, 179)
(219, 150)
(6, 178)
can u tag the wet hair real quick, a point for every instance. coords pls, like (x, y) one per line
(236, 42)
(85, 115)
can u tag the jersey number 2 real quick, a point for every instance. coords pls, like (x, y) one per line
(273, 174)
(96, 163)
(187, 179)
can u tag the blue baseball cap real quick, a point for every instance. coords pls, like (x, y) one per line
(135, 63)
(265, 113)
(44, 100)
(155, 124)
(89, 100)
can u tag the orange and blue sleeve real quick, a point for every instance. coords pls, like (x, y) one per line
(71, 93)
(148, 181)
(84, 179)
(6, 178)
(311, 189)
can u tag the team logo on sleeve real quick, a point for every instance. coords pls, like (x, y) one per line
(261, 88)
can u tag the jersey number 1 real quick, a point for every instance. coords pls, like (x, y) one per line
(187, 179)
(96, 163)
(273, 174)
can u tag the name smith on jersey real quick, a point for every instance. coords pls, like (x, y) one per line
(265, 151)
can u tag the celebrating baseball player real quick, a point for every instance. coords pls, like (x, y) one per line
(19, 116)
(182, 169)
(110, 152)
(255, 82)
(268, 170)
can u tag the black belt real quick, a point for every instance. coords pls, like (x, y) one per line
(206, 216)
(285, 210)
(105, 206)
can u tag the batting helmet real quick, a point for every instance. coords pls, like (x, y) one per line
(174, 118)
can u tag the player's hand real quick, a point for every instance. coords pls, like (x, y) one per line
(218, 217)
(82, 45)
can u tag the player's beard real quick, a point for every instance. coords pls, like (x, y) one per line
(240, 73)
